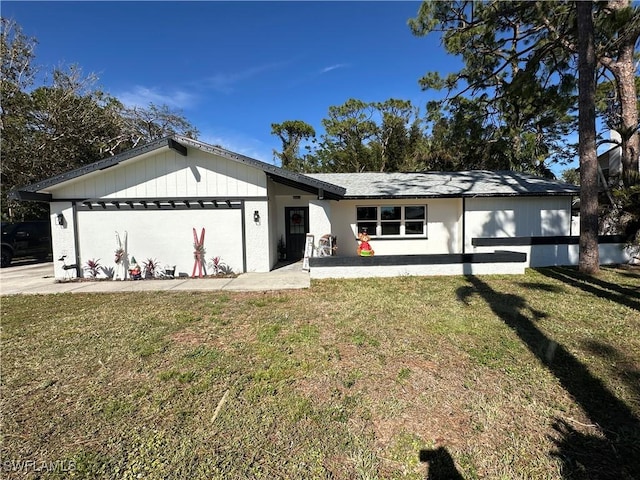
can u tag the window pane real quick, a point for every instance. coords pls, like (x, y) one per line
(367, 213)
(369, 226)
(391, 213)
(391, 228)
(296, 222)
(414, 213)
(413, 228)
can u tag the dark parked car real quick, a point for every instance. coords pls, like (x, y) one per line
(25, 239)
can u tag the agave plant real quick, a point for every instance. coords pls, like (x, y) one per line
(92, 267)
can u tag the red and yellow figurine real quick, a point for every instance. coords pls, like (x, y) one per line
(364, 249)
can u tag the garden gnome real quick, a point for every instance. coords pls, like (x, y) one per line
(364, 249)
(135, 271)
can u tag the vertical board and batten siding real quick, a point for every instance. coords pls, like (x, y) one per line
(444, 228)
(503, 217)
(167, 174)
(516, 217)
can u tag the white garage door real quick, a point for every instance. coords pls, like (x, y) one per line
(163, 235)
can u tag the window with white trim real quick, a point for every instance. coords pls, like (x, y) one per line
(392, 220)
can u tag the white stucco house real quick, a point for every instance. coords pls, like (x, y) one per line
(419, 223)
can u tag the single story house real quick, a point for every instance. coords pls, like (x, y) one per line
(152, 199)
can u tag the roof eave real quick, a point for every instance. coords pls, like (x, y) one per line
(27, 196)
(461, 195)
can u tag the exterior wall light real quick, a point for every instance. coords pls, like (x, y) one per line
(256, 216)
(60, 218)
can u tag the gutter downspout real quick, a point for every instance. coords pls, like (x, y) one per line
(76, 240)
(464, 224)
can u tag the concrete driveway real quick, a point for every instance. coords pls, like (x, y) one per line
(38, 279)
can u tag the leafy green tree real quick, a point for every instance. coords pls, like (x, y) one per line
(571, 175)
(55, 127)
(521, 102)
(418, 148)
(16, 76)
(392, 136)
(520, 60)
(292, 133)
(139, 125)
(349, 129)
(378, 136)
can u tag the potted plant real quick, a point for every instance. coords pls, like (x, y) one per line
(282, 249)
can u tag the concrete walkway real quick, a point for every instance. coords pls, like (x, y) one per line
(38, 279)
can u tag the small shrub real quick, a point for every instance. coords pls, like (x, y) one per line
(218, 267)
(92, 267)
(151, 266)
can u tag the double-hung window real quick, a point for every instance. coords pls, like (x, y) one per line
(393, 220)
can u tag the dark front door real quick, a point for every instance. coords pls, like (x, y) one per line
(297, 227)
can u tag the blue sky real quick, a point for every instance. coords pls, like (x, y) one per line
(233, 68)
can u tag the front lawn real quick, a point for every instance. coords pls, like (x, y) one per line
(534, 376)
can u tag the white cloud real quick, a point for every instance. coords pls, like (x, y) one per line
(226, 82)
(239, 143)
(141, 96)
(333, 67)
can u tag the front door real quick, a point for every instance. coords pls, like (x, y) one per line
(297, 227)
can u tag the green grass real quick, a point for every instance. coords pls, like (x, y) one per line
(534, 376)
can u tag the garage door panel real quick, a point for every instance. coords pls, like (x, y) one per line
(164, 235)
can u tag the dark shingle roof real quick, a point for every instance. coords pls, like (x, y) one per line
(476, 183)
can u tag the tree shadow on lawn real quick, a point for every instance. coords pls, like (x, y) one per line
(627, 297)
(621, 365)
(440, 465)
(612, 454)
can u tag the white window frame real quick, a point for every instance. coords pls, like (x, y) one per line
(403, 220)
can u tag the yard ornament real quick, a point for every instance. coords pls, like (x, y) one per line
(135, 272)
(121, 257)
(364, 249)
(198, 254)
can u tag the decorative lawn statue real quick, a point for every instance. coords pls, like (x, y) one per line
(198, 254)
(135, 272)
(121, 260)
(364, 249)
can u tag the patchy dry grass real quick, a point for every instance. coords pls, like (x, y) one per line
(534, 376)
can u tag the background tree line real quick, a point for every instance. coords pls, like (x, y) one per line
(55, 125)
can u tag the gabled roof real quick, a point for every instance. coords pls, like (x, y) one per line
(476, 183)
(37, 191)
